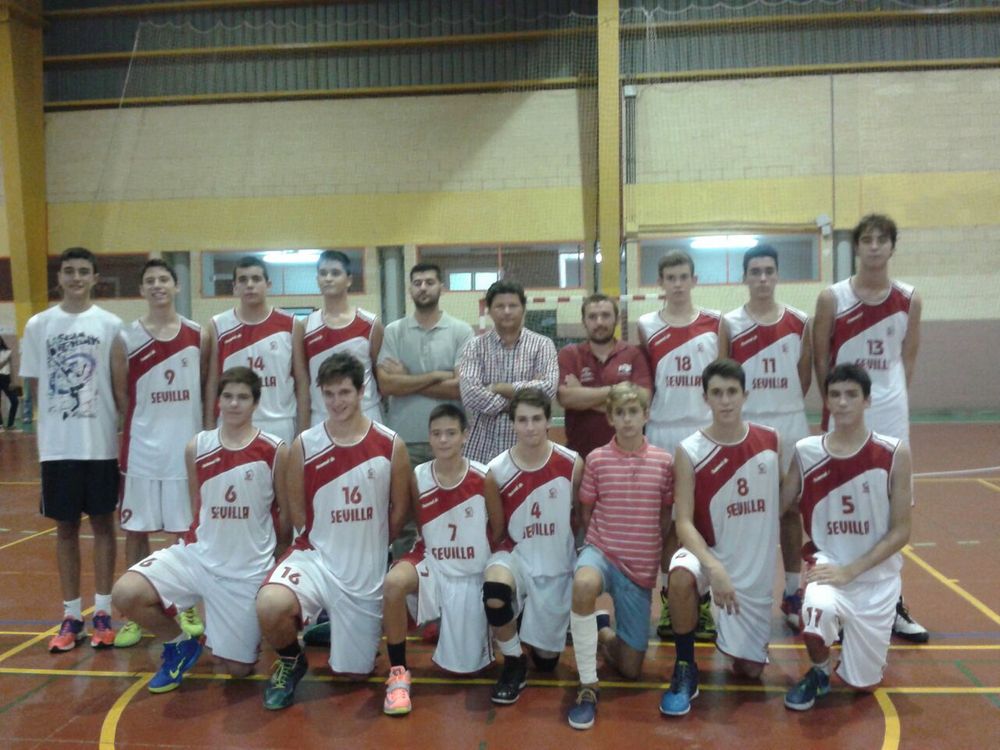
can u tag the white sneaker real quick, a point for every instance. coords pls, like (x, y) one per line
(906, 627)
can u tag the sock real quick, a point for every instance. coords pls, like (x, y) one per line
(603, 620)
(584, 630)
(791, 583)
(102, 603)
(397, 654)
(664, 576)
(511, 647)
(182, 636)
(291, 651)
(826, 666)
(74, 609)
(684, 645)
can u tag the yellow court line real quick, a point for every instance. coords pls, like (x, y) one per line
(52, 672)
(953, 479)
(891, 739)
(987, 483)
(908, 551)
(25, 539)
(20, 484)
(31, 642)
(110, 725)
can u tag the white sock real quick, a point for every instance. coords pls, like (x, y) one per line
(664, 575)
(182, 636)
(511, 647)
(102, 603)
(826, 666)
(73, 609)
(584, 630)
(791, 583)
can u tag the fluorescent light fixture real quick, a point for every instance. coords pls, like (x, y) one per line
(724, 242)
(308, 257)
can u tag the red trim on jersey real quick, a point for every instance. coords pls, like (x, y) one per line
(244, 335)
(718, 468)
(831, 472)
(751, 342)
(140, 362)
(325, 337)
(670, 337)
(439, 500)
(334, 460)
(219, 460)
(523, 483)
(861, 316)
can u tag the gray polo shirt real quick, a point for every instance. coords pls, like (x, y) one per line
(421, 351)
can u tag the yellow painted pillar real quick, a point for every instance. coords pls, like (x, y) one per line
(609, 157)
(22, 148)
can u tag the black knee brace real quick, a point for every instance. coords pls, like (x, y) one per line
(497, 616)
(544, 663)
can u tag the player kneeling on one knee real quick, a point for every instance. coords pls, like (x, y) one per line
(534, 486)
(727, 480)
(625, 500)
(853, 490)
(352, 475)
(442, 577)
(237, 471)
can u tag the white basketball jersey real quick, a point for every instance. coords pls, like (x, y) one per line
(453, 521)
(266, 348)
(355, 338)
(736, 503)
(845, 501)
(164, 400)
(872, 336)
(537, 508)
(678, 354)
(347, 505)
(770, 357)
(235, 517)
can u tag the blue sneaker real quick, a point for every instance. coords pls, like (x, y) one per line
(285, 675)
(584, 711)
(177, 659)
(814, 685)
(683, 689)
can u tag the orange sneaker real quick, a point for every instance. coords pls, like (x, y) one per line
(103, 635)
(70, 633)
(397, 692)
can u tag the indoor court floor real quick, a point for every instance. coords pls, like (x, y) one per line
(942, 695)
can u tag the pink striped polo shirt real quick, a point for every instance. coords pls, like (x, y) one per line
(629, 492)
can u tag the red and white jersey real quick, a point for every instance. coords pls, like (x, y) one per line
(872, 336)
(347, 505)
(453, 521)
(236, 511)
(266, 348)
(355, 338)
(678, 354)
(737, 503)
(770, 355)
(537, 508)
(164, 400)
(845, 501)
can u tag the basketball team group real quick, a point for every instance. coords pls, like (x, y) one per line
(304, 513)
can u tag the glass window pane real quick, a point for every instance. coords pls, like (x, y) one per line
(460, 282)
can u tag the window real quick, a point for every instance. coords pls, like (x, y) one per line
(119, 276)
(536, 266)
(718, 258)
(291, 271)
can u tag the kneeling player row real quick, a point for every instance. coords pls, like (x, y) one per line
(349, 488)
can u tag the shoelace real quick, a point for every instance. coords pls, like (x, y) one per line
(586, 694)
(67, 627)
(285, 670)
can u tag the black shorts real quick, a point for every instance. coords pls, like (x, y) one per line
(70, 488)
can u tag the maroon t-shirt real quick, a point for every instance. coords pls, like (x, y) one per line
(587, 429)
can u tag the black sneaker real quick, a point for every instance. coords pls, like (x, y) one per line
(906, 627)
(513, 680)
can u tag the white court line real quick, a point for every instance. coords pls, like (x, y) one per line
(923, 544)
(968, 542)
